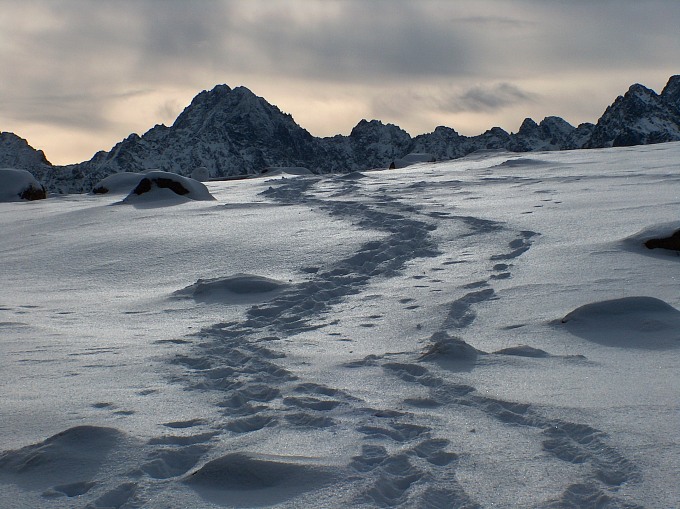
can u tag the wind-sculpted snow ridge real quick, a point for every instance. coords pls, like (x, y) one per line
(401, 458)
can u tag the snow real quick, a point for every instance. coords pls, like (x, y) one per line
(411, 159)
(277, 171)
(483, 332)
(15, 182)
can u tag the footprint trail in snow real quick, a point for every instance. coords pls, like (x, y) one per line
(400, 461)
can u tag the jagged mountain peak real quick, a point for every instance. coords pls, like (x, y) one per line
(556, 123)
(368, 125)
(529, 126)
(15, 152)
(671, 92)
(636, 89)
(376, 131)
(639, 117)
(447, 131)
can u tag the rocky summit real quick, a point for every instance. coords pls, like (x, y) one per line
(233, 132)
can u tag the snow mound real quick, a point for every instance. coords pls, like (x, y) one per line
(234, 288)
(118, 183)
(157, 186)
(246, 480)
(16, 185)
(450, 352)
(411, 159)
(640, 322)
(75, 453)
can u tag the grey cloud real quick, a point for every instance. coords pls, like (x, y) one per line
(488, 98)
(77, 110)
(502, 22)
(82, 51)
(369, 41)
(411, 103)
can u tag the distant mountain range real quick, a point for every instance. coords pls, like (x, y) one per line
(234, 132)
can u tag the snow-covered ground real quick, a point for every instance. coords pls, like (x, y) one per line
(485, 332)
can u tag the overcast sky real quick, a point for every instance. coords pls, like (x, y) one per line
(77, 76)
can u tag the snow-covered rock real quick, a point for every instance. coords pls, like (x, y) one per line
(161, 185)
(118, 183)
(16, 185)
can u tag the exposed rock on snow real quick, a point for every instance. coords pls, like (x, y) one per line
(658, 240)
(18, 185)
(672, 243)
(639, 322)
(237, 287)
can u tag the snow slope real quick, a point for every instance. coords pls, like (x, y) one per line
(485, 332)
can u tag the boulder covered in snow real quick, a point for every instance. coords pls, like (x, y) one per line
(118, 183)
(152, 184)
(412, 158)
(16, 185)
(161, 183)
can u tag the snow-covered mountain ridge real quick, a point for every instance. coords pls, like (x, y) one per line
(234, 132)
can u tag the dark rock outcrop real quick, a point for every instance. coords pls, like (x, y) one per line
(672, 243)
(145, 185)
